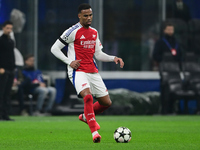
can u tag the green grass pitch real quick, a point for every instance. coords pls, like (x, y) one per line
(68, 133)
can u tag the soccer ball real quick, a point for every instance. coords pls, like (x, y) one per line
(122, 135)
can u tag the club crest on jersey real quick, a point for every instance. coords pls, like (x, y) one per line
(82, 37)
(93, 35)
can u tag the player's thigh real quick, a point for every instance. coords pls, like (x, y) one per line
(80, 81)
(85, 92)
(98, 87)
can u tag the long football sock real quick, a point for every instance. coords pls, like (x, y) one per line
(89, 112)
(99, 108)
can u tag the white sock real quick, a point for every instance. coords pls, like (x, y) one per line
(93, 134)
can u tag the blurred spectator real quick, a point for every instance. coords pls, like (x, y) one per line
(179, 10)
(23, 86)
(165, 44)
(7, 66)
(39, 87)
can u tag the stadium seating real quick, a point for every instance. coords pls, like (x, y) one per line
(191, 72)
(194, 35)
(30, 99)
(172, 86)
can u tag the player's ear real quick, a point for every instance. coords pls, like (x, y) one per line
(79, 16)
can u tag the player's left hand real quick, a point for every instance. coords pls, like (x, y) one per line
(120, 61)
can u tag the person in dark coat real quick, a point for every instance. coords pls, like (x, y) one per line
(167, 44)
(7, 67)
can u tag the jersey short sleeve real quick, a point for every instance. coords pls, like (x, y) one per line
(68, 35)
(67, 38)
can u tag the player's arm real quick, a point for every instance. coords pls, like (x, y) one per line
(56, 51)
(108, 58)
(65, 38)
(101, 56)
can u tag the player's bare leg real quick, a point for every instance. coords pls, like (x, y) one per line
(89, 114)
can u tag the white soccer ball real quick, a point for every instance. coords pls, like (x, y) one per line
(122, 135)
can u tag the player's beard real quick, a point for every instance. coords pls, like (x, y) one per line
(87, 25)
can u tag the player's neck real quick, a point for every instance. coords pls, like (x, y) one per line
(86, 27)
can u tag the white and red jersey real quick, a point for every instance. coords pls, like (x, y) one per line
(82, 44)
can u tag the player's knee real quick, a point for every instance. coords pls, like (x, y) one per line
(88, 98)
(109, 103)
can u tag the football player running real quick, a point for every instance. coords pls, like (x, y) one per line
(83, 43)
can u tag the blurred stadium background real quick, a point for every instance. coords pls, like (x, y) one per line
(128, 29)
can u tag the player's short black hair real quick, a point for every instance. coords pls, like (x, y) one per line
(6, 23)
(28, 56)
(83, 7)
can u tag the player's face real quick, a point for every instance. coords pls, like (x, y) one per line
(30, 62)
(85, 17)
(169, 30)
(7, 29)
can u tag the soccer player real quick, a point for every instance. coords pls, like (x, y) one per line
(83, 43)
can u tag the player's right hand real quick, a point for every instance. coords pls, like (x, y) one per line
(75, 64)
